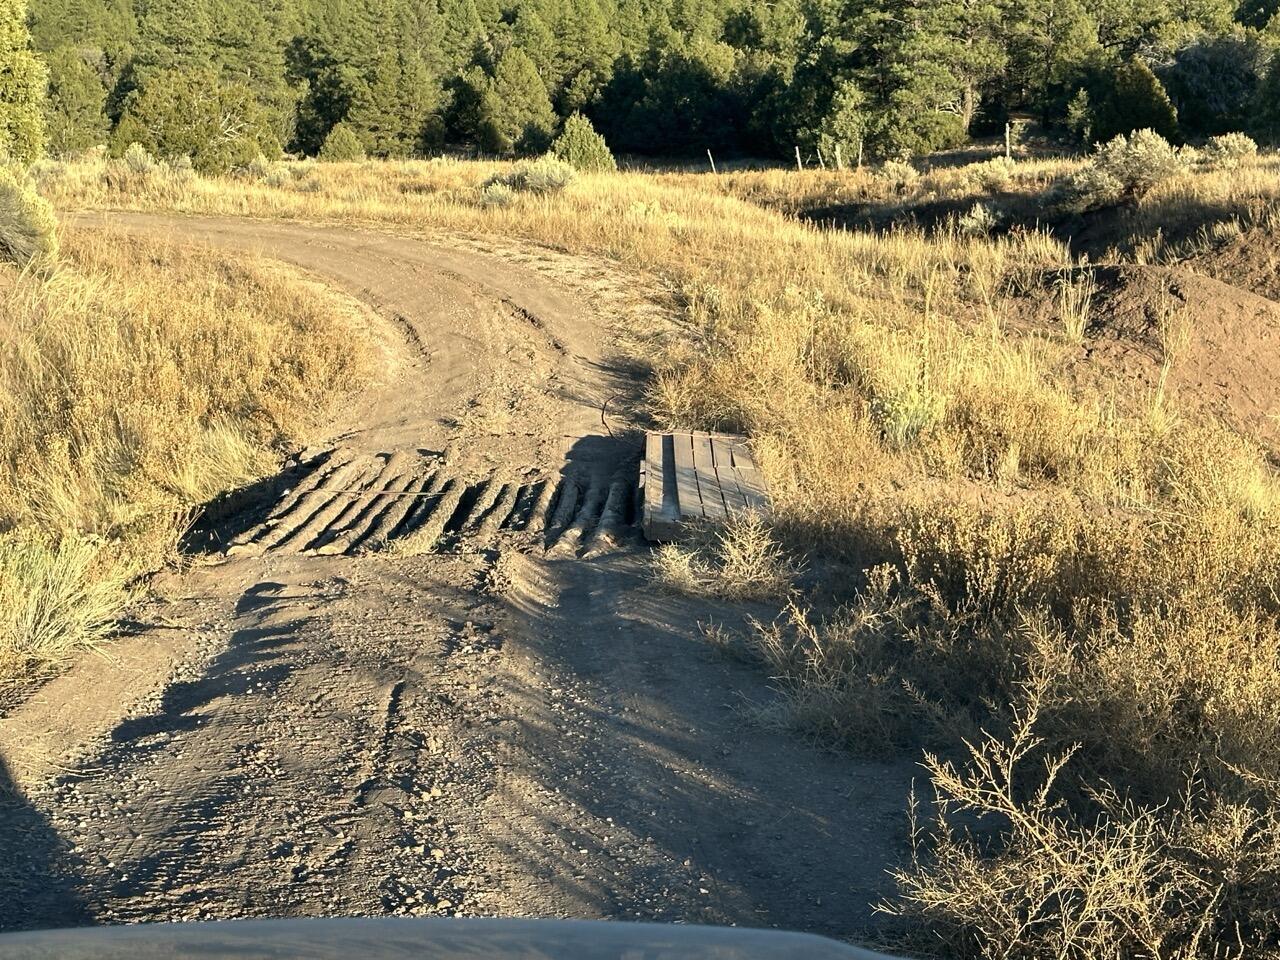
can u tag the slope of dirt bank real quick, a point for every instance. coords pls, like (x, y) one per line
(1221, 342)
(1250, 261)
(420, 686)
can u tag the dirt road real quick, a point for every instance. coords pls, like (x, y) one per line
(430, 675)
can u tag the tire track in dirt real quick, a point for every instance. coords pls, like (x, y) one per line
(490, 711)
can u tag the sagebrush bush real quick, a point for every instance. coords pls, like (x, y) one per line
(582, 148)
(980, 221)
(546, 175)
(992, 175)
(1230, 150)
(28, 227)
(496, 194)
(899, 173)
(1123, 170)
(138, 160)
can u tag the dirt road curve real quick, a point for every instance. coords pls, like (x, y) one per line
(375, 708)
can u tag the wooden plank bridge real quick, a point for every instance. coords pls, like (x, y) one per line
(696, 478)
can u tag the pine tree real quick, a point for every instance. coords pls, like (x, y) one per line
(23, 82)
(521, 116)
(173, 34)
(391, 114)
(462, 33)
(1138, 101)
(75, 110)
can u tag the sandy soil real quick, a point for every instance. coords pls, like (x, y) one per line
(478, 705)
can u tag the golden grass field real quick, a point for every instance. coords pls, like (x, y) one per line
(138, 381)
(1076, 579)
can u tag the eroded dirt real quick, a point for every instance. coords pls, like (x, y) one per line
(359, 709)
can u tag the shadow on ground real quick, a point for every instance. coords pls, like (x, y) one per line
(37, 868)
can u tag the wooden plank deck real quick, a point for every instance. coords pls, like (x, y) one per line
(695, 478)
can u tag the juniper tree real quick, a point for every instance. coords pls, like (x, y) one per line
(75, 110)
(23, 81)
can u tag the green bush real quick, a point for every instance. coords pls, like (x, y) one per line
(28, 227)
(24, 84)
(582, 148)
(1137, 101)
(547, 174)
(342, 146)
(189, 112)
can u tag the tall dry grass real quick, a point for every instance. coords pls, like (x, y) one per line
(1080, 583)
(137, 381)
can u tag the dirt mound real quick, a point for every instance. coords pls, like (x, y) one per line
(1222, 343)
(1250, 261)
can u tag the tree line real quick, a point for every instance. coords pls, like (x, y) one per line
(222, 81)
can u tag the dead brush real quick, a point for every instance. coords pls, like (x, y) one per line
(737, 560)
(1193, 877)
(1075, 303)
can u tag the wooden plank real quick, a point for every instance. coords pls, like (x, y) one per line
(734, 498)
(750, 479)
(713, 506)
(653, 481)
(687, 495)
(741, 454)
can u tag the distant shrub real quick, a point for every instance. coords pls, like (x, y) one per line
(582, 148)
(278, 177)
(547, 174)
(1229, 150)
(992, 175)
(1125, 169)
(496, 195)
(28, 227)
(978, 222)
(258, 168)
(138, 160)
(342, 146)
(899, 173)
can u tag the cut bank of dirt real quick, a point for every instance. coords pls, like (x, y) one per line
(486, 729)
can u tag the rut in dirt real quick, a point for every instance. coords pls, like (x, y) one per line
(344, 503)
(425, 670)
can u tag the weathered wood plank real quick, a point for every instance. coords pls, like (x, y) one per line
(742, 458)
(713, 506)
(721, 451)
(687, 494)
(690, 477)
(750, 479)
(653, 480)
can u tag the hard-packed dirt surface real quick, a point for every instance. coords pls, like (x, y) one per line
(424, 671)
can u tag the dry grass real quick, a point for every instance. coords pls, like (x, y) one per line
(138, 381)
(1052, 572)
